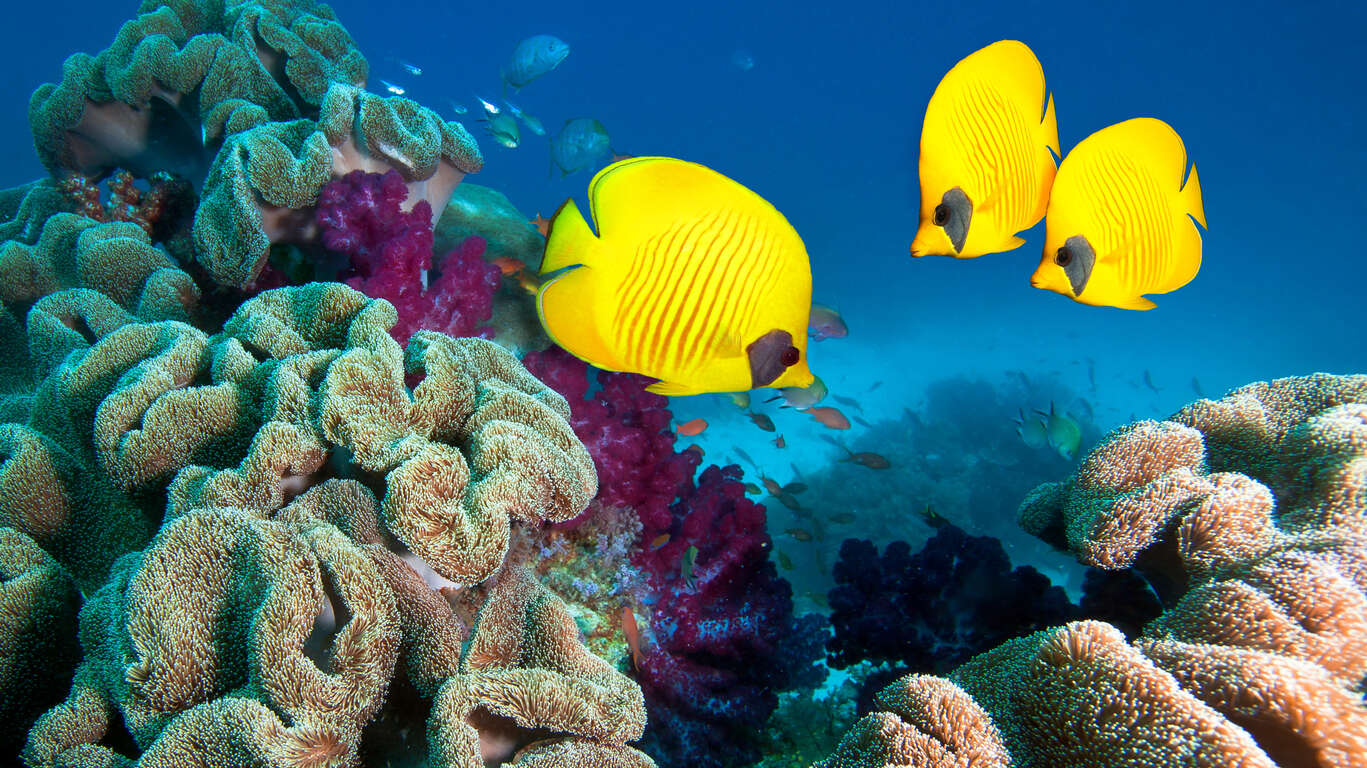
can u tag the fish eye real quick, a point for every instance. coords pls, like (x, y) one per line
(1063, 256)
(790, 357)
(941, 215)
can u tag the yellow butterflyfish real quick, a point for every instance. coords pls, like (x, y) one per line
(987, 154)
(1120, 218)
(692, 279)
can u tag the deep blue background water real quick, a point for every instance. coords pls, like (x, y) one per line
(1267, 97)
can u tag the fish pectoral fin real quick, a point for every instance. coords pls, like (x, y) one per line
(672, 389)
(727, 345)
(1136, 302)
(989, 202)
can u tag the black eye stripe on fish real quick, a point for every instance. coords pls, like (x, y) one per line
(960, 210)
(766, 355)
(1076, 257)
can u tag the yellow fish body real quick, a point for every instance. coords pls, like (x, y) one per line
(986, 162)
(1119, 223)
(692, 279)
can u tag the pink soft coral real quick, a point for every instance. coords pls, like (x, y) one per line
(361, 215)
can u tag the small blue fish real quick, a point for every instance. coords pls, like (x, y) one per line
(581, 143)
(397, 90)
(534, 125)
(533, 58)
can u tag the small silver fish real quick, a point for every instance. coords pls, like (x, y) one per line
(802, 397)
(457, 107)
(581, 143)
(534, 125)
(410, 68)
(490, 108)
(533, 58)
(397, 90)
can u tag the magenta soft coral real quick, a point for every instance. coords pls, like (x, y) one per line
(726, 643)
(361, 215)
(626, 430)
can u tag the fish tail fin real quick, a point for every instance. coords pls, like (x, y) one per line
(569, 240)
(1192, 202)
(1050, 126)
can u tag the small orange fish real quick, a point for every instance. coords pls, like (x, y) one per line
(763, 422)
(842, 518)
(632, 634)
(659, 541)
(508, 265)
(801, 534)
(779, 442)
(788, 500)
(794, 487)
(771, 486)
(828, 416)
(542, 225)
(692, 428)
(696, 449)
(528, 282)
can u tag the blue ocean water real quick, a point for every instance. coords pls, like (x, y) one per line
(818, 107)
(825, 123)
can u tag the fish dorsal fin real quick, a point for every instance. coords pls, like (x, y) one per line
(617, 192)
(569, 241)
(1154, 144)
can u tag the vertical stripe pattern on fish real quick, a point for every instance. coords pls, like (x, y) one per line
(987, 154)
(692, 279)
(1120, 218)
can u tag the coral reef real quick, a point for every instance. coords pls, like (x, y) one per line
(179, 66)
(725, 637)
(1260, 658)
(293, 614)
(48, 247)
(958, 453)
(931, 611)
(627, 431)
(360, 215)
(265, 181)
(38, 604)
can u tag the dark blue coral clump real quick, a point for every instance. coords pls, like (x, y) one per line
(930, 611)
